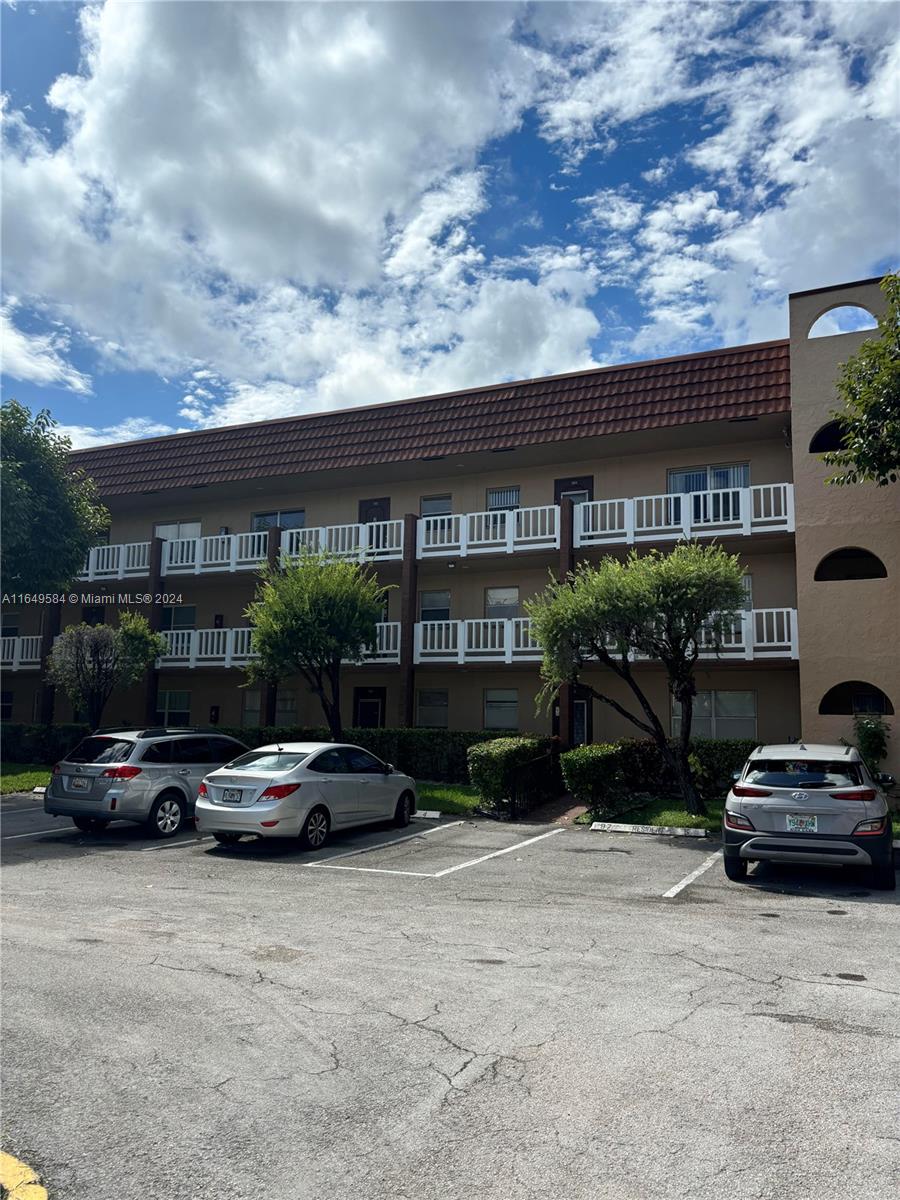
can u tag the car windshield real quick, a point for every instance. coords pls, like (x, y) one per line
(269, 760)
(779, 772)
(100, 750)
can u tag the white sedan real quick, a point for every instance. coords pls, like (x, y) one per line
(302, 790)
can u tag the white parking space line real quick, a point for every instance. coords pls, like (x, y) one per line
(174, 845)
(369, 870)
(473, 862)
(11, 837)
(381, 845)
(689, 879)
(8, 812)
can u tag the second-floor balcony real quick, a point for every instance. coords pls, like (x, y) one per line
(234, 647)
(764, 508)
(20, 653)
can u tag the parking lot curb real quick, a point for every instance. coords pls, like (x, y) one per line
(659, 830)
(20, 1182)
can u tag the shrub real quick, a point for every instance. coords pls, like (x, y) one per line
(595, 777)
(493, 772)
(872, 733)
(40, 743)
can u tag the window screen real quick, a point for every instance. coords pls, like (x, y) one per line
(431, 709)
(173, 708)
(181, 616)
(501, 708)
(704, 479)
(501, 603)
(503, 498)
(294, 518)
(172, 531)
(436, 506)
(719, 715)
(434, 606)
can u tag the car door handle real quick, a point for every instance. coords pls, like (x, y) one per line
(184, 771)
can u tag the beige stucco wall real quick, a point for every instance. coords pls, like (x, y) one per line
(848, 630)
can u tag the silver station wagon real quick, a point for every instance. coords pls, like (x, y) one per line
(810, 804)
(150, 776)
(302, 790)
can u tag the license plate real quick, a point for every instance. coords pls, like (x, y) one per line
(231, 796)
(80, 784)
(797, 823)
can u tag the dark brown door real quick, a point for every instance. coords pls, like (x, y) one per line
(368, 707)
(579, 489)
(374, 510)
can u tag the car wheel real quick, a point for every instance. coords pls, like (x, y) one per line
(403, 811)
(315, 830)
(884, 876)
(227, 839)
(166, 815)
(90, 824)
(735, 868)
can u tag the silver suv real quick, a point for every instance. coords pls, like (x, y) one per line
(811, 804)
(150, 776)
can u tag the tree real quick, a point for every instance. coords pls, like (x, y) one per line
(310, 616)
(90, 661)
(664, 606)
(869, 385)
(51, 513)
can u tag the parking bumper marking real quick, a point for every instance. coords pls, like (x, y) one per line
(473, 862)
(20, 1182)
(689, 879)
(383, 845)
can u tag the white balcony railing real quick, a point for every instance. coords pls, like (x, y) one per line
(461, 534)
(763, 508)
(757, 633)
(380, 540)
(20, 653)
(121, 561)
(234, 647)
(221, 552)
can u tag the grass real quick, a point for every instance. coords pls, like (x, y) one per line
(456, 798)
(22, 777)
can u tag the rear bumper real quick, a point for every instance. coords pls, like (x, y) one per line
(801, 847)
(216, 818)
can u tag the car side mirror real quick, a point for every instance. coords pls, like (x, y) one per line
(887, 780)
(388, 768)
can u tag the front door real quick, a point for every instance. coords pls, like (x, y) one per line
(581, 712)
(369, 704)
(579, 489)
(374, 510)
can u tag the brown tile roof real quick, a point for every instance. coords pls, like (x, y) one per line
(714, 385)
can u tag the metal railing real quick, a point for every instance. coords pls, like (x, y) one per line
(502, 531)
(379, 541)
(234, 647)
(20, 653)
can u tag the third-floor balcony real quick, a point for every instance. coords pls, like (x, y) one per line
(632, 520)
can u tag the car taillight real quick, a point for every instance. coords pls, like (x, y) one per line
(121, 772)
(737, 821)
(744, 789)
(56, 770)
(869, 828)
(854, 794)
(278, 791)
(201, 791)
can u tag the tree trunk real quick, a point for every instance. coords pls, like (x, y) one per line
(95, 703)
(333, 706)
(693, 801)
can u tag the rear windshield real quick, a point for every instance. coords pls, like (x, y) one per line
(808, 774)
(100, 750)
(269, 760)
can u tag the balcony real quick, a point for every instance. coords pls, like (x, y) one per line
(234, 647)
(20, 653)
(765, 508)
(758, 634)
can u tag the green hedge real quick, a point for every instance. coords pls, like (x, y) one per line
(608, 777)
(493, 773)
(39, 743)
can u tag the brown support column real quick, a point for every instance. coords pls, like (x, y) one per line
(154, 585)
(49, 630)
(566, 564)
(408, 589)
(270, 689)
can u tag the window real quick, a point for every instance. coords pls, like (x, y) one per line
(173, 708)
(503, 498)
(804, 772)
(181, 616)
(855, 696)
(92, 614)
(361, 762)
(171, 531)
(285, 708)
(10, 625)
(850, 563)
(191, 750)
(747, 585)
(6, 704)
(829, 437)
(431, 709)
(159, 753)
(436, 506)
(294, 518)
(843, 318)
(434, 606)
(501, 603)
(101, 750)
(719, 715)
(501, 708)
(684, 480)
(330, 762)
(223, 750)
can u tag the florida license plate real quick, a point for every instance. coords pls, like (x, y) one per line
(800, 823)
(80, 783)
(231, 796)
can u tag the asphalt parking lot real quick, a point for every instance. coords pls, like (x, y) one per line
(459, 1009)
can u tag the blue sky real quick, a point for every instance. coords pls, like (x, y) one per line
(225, 212)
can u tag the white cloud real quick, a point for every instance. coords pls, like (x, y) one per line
(38, 358)
(82, 436)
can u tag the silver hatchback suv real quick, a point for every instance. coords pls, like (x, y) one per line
(150, 776)
(809, 804)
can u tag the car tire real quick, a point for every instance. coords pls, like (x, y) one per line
(167, 815)
(228, 839)
(403, 811)
(883, 875)
(735, 868)
(316, 827)
(90, 824)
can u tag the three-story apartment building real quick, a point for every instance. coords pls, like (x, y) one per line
(466, 502)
